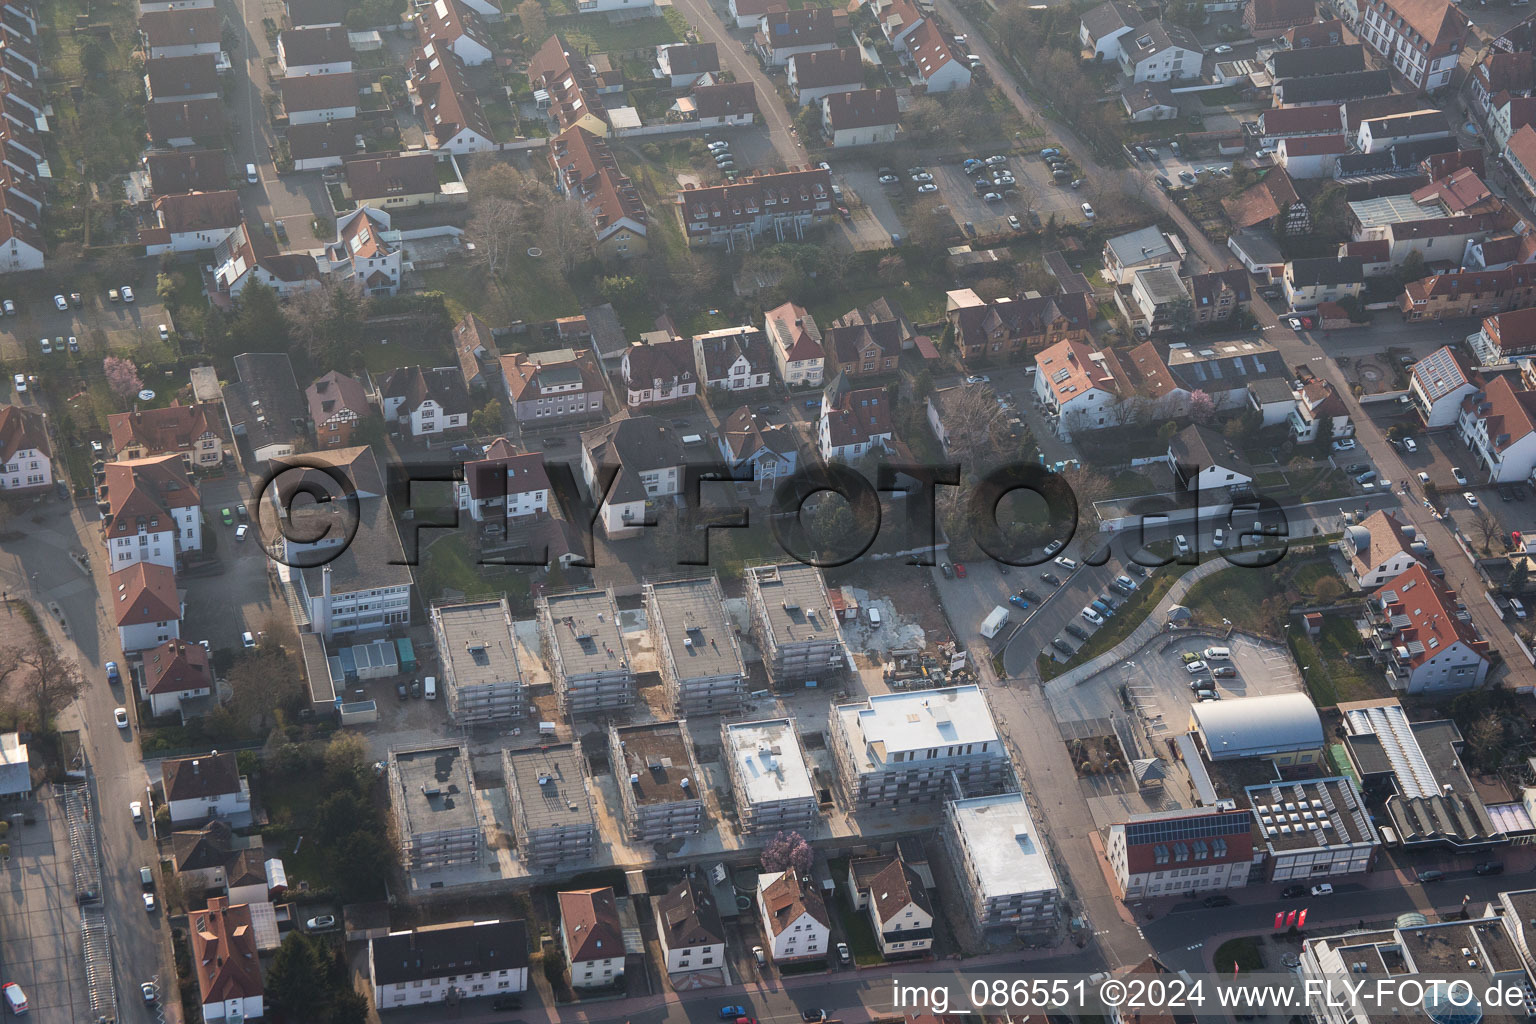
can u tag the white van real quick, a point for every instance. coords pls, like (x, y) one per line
(1516, 606)
(874, 618)
(251, 177)
(692, 440)
(429, 687)
(15, 998)
(1218, 654)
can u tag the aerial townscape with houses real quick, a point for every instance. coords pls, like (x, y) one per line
(630, 512)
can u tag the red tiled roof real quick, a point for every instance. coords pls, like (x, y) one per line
(181, 27)
(1315, 145)
(176, 667)
(795, 331)
(148, 488)
(20, 429)
(194, 119)
(505, 471)
(1433, 625)
(199, 211)
(590, 920)
(1511, 414)
(175, 428)
(224, 953)
(144, 592)
(451, 105)
(864, 108)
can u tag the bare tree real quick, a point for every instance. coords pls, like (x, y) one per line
(568, 234)
(49, 679)
(535, 26)
(328, 320)
(496, 229)
(1090, 487)
(974, 424)
(1486, 528)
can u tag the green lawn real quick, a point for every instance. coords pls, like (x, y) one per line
(1328, 667)
(1244, 952)
(1122, 624)
(860, 933)
(530, 289)
(602, 36)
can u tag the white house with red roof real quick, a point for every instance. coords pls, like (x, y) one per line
(1379, 548)
(225, 959)
(176, 672)
(21, 246)
(592, 936)
(366, 250)
(780, 205)
(1078, 386)
(152, 512)
(507, 484)
(192, 221)
(853, 421)
(749, 12)
(1311, 156)
(795, 340)
(1438, 384)
(1315, 402)
(938, 61)
(25, 460)
(1419, 638)
(453, 26)
(1422, 39)
(586, 172)
(1178, 852)
(1498, 425)
(146, 605)
(794, 915)
(897, 21)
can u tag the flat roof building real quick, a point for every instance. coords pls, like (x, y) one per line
(658, 780)
(898, 748)
(769, 779)
(580, 634)
(433, 796)
(701, 663)
(1004, 868)
(481, 677)
(1313, 828)
(793, 623)
(551, 805)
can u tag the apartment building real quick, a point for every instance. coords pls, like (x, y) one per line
(466, 959)
(772, 786)
(151, 510)
(1498, 426)
(701, 664)
(779, 206)
(1181, 852)
(793, 624)
(579, 633)
(1422, 41)
(432, 794)
(482, 679)
(658, 779)
(1417, 636)
(1003, 866)
(552, 814)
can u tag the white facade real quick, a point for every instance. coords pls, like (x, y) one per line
(1511, 461)
(192, 241)
(152, 6)
(846, 452)
(521, 503)
(889, 930)
(183, 533)
(487, 970)
(234, 1010)
(330, 67)
(1386, 32)
(362, 610)
(143, 635)
(17, 255)
(322, 114)
(429, 418)
(1170, 64)
(1106, 47)
(224, 805)
(802, 937)
(27, 469)
(162, 704)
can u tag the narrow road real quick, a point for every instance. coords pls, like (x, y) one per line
(706, 22)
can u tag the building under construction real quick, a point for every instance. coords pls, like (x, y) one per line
(551, 805)
(658, 780)
(701, 663)
(579, 631)
(793, 624)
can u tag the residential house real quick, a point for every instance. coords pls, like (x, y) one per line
(897, 19)
(1419, 638)
(682, 64)
(175, 673)
(796, 344)
(863, 349)
(191, 222)
(312, 98)
(21, 246)
(612, 7)
(586, 172)
(1224, 370)
(1160, 52)
(1316, 404)
(689, 929)
(176, 173)
(1469, 293)
(507, 483)
(182, 33)
(1315, 156)
(186, 430)
(823, 72)
(1498, 425)
(1324, 60)
(1216, 296)
(313, 13)
(1149, 101)
(1504, 335)
(432, 964)
(778, 205)
(1380, 548)
(1437, 385)
(1506, 116)
(1498, 73)
(989, 332)
(214, 859)
(592, 937)
(1273, 400)
(724, 103)
(432, 399)
(553, 387)
(237, 263)
(853, 422)
(1156, 301)
(862, 118)
(1520, 155)
(225, 959)
(659, 373)
(748, 13)
(1308, 282)
(894, 896)
(782, 34)
(571, 85)
(794, 916)
(479, 358)
(767, 451)
(455, 121)
(1103, 29)
(449, 26)
(1343, 87)
(264, 404)
(1265, 19)
(181, 79)
(626, 464)
(1204, 460)
(1179, 852)
(1421, 40)
(365, 251)
(1078, 387)
(337, 404)
(733, 359)
(26, 461)
(1140, 250)
(1278, 123)
(1318, 33)
(206, 786)
(152, 511)
(1396, 129)
(1147, 387)
(939, 63)
(322, 144)
(146, 605)
(314, 51)
(395, 180)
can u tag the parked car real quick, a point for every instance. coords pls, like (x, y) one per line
(1326, 889)
(1088, 210)
(843, 954)
(1062, 646)
(1461, 478)
(813, 1016)
(926, 189)
(1051, 578)
(960, 569)
(46, 345)
(1195, 667)
(1073, 629)
(165, 332)
(1291, 892)
(1092, 616)
(127, 293)
(1069, 564)
(247, 639)
(9, 307)
(241, 531)
(1223, 671)
(1346, 445)
(948, 570)
(1218, 899)
(120, 716)
(321, 923)
(1222, 50)
(1429, 875)
(1015, 223)
(1490, 867)
(732, 1012)
(147, 990)
(1137, 569)
(149, 902)
(113, 676)
(1410, 445)
(21, 383)
(1162, 182)
(1126, 582)
(60, 303)
(136, 811)
(1469, 498)
(888, 179)
(922, 176)
(1015, 599)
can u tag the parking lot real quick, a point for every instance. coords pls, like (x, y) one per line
(39, 922)
(124, 326)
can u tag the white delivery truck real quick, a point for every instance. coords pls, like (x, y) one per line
(994, 622)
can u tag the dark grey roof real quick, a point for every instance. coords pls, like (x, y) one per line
(1401, 157)
(608, 337)
(1198, 445)
(266, 403)
(638, 443)
(1320, 60)
(1349, 85)
(441, 952)
(1325, 270)
(374, 559)
(687, 916)
(1108, 17)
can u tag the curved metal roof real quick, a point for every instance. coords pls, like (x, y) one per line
(1258, 725)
